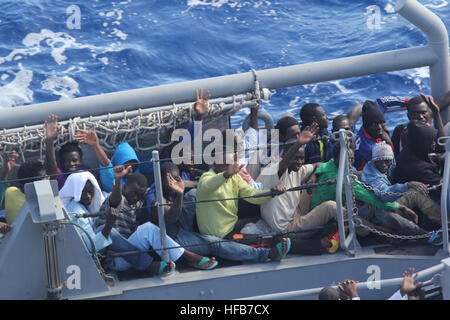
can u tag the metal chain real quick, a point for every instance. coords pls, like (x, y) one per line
(391, 193)
(358, 223)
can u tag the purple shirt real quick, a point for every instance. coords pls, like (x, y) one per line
(61, 177)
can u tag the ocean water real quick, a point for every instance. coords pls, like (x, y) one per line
(52, 50)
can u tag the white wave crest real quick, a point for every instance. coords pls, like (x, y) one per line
(441, 4)
(65, 87)
(17, 92)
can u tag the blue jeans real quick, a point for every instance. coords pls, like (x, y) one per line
(207, 245)
(121, 244)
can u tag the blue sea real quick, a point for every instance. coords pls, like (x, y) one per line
(55, 49)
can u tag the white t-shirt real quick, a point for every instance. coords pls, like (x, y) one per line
(279, 211)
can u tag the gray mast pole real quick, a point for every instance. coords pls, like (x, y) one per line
(159, 199)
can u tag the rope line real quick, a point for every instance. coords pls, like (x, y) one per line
(134, 163)
(251, 237)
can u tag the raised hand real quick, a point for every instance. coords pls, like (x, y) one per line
(9, 161)
(88, 137)
(347, 289)
(408, 284)
(431, 104)
(201, 104)
(177, 185)
(308, 133)
(233, 169)
(120, 171)
(51, 128)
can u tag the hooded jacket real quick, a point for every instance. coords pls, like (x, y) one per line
(123, 153)
(414, 163)
(377, 180)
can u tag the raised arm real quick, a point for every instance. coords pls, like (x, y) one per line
(51, 133)
(116, 194)
(90, 137)
(201, 104)
(438, 124)
(9, 161)
(173, 212)
(305, 137)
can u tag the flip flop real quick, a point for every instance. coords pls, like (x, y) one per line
(280, 248)
(205, 260)
(162, 266)
(436, 240)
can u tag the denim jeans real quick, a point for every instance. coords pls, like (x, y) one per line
(146, 237)
(206, 245)
(121, 244)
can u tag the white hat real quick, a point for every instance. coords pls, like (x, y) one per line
(382, 151)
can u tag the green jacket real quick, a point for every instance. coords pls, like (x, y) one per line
(329, 171)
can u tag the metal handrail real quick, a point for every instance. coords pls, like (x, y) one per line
(444, 193)
(360, 286)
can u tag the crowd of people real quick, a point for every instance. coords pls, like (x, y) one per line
(203, 227)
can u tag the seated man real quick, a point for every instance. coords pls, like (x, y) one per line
(220, 218)
(70, 154)
(30, 171)
(372, 131)
(418, 108)
(414, 162)
(340, 122)
(81, 194)
(289, 131)
(375, 175)
(129, 200)
(246, 141)
(390, 215)
(284, 213)
(315, 151)
(180, 224)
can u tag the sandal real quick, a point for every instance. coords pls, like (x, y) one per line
(280, 248)
(435, 240)
(205, 260)
(162, 267)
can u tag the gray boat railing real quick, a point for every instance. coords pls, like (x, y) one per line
(435, 56)
(444, 193)
(348, 244)
(360, 286)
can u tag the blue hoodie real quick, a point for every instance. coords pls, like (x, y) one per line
(123, 153)
(373, 177)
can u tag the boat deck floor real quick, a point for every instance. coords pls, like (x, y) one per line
(370, 244)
